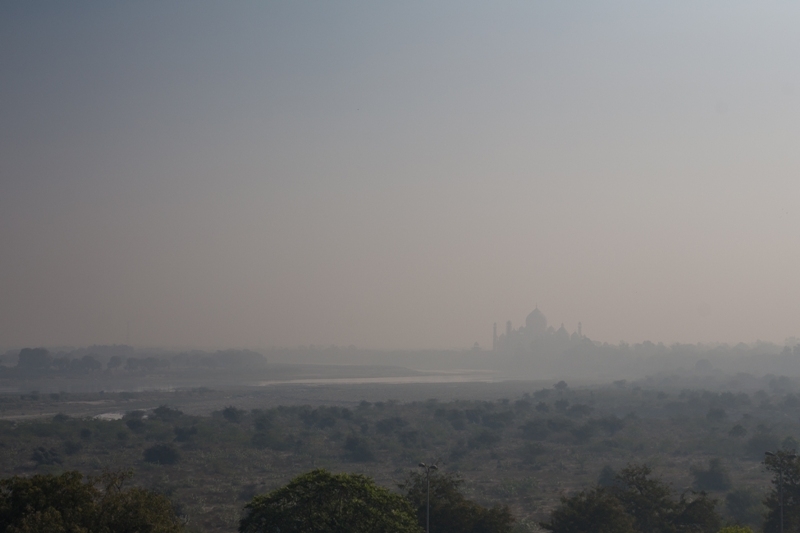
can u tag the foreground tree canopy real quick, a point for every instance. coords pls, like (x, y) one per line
(635, 503)
(67, 503)
(321, 502)
(785, 468)
(451, 512)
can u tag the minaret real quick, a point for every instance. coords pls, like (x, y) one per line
(494, 337)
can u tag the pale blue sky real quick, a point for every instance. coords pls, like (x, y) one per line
(397, 175)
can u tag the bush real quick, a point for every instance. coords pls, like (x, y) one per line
(607, 477)
(531, 451)
(714, 478)
(272, 440)
(164, 454)
(357, 450)
(484, 439)
(761, 442)
(166, 414)
(72, 447)
(737, 431)
(578, 410)
(183, 434)
(232, 414)
(611, 424)
(46, 456)
(497, 420)
(135, 424)
(389, 425)
(263, 421)
(560, 424)
(535, 430)
(584, 433)
(744, 506)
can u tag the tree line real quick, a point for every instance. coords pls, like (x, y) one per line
(633, 501)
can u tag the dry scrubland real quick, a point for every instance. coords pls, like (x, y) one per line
(521, 444)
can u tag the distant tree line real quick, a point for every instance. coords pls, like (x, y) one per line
(39, 362)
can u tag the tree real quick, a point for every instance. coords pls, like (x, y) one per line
(607, 477)
(66, 503)
(451, 512)
(593, 511)
(232, 414)
(714, 478)
(744, 506)
(649, 502)
(635, 502)
(786, 472)
(45, 456)
(166, 414)
(34, 360)
(357, 449)
(164, 454)
(321, 502)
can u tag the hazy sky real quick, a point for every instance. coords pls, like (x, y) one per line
(397, 174)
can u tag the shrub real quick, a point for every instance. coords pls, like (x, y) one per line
(535, 430)
(737, 431)
(184, 434)
(389, 425)
(45, 456)
(232, 414)
(531, 451)
(164, 454)
(611, 424)
(744, 506)
(166, 414)
(760, 443)
(584, 433)
(72, 447)
(607, 477)
(497, 420)
(357, 449)
(272, 440)
(484, 439)
(716, 414)
(578, 410)
(713, 478)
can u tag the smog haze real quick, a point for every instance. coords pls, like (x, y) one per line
(397, 175)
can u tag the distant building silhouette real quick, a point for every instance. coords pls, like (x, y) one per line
(534, 332)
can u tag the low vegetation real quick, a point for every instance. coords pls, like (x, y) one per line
(523, 454)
